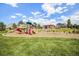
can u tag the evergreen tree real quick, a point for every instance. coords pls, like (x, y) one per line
(2, 26)
(14, 26)
(69, 25)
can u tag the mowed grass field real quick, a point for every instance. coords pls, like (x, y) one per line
(38, 46)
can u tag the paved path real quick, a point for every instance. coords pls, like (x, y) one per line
(44, 34)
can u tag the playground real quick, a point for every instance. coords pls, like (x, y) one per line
(30, 31)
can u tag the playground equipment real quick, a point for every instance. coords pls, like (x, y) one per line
(18, 30)
(27, 29)
(30, 28)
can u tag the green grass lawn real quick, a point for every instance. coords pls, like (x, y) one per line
(10, 46)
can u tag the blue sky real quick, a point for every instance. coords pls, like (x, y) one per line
(42, 13)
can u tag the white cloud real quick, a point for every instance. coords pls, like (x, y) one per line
(13, 16)
(12, 4)
(63, 19)
(52, 9)
(59, 10)
(56, 4)
(70, 4)
(65, 10)
(24, 20)
(24, 16)
(21, 17)
(38, 14)
(48, 22)
(41, 18)
(35, 13)
(18, 14)
(42, 21)
(51, 21)
(74, 18)
(48, 8)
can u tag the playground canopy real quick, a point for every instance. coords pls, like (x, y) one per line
(29, 23)
(25, 25)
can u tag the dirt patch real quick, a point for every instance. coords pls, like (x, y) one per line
(44, 34)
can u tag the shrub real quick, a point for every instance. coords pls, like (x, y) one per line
(76, 31)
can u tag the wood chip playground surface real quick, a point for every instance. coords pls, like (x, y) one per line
(44, 34)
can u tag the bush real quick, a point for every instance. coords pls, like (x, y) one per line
(4, 31)
(76, 31)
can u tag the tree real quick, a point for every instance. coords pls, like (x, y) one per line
(2, 26)
(69, 25)
(76, 26)
(35, 24)
(14, 26)
(39, 26)
(20, 22)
